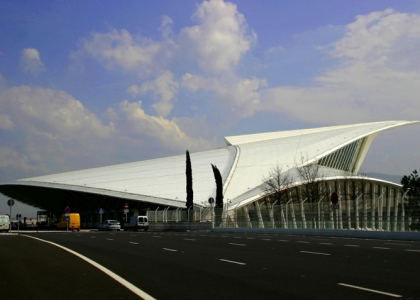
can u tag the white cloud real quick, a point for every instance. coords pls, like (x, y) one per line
(241, 95)
(131, 120)
(164, 86)
(166, 27)
(374, 80)
(30, 61)
(220, 39)
(119, 48)
(5, 122)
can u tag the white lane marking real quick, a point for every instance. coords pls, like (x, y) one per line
(320, 239)
(189, 239)
(237, 244)
(351, 245)
(318, 253)
(156, 236)
(111, 274)
(134, 243)
(325, 243)
(412, 250)
(93, 236)
(110, 239)
(370, 290)
(381, 248)
(397, 244)
(233, 262)
(283, 240)
(266, 239)
(167, 249)
(250, 238)
(303, 242)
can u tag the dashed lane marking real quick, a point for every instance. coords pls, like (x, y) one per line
(237, 244)
(233, 262)
(370, 290)
(168, 249)
(318, 253)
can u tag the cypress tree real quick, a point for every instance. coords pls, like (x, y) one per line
(219, 186)
(188, 172)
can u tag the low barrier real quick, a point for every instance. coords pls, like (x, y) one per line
(383, 235)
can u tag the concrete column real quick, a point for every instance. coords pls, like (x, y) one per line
(372, 205)
(258, 210)
(348, 206)
(246, 215)
(388, 209)
(395, 225)
(380, 207)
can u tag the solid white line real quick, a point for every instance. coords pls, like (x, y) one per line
(319, 253)
(133, 243)
(233, 262)
(111, 274)
(370, 290)
(167, 249)
(237, 244)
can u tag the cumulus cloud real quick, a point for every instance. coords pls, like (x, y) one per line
(373, 80)
(242, 95)
(30, 61)
(131, 119)
(119, 49)
(221, 37)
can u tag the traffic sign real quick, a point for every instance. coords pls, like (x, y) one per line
(126, 208)
(334, 198)
(101, 211)
(11, 202)
(211, 200)
(67, 210)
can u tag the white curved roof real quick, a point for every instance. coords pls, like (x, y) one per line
(243, 163)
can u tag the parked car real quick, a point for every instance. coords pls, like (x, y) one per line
(110, 225)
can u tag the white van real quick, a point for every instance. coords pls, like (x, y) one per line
(136, 223)
(4, 223)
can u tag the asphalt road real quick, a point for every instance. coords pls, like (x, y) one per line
(212, 266)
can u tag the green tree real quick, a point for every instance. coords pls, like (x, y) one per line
(188, 172)
(219, 186)
(411, 183)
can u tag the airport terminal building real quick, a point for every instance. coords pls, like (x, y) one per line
(317, 163)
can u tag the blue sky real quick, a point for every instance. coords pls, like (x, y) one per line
(93, 83)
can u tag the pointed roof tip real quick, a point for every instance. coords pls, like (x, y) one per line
(256, 137)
